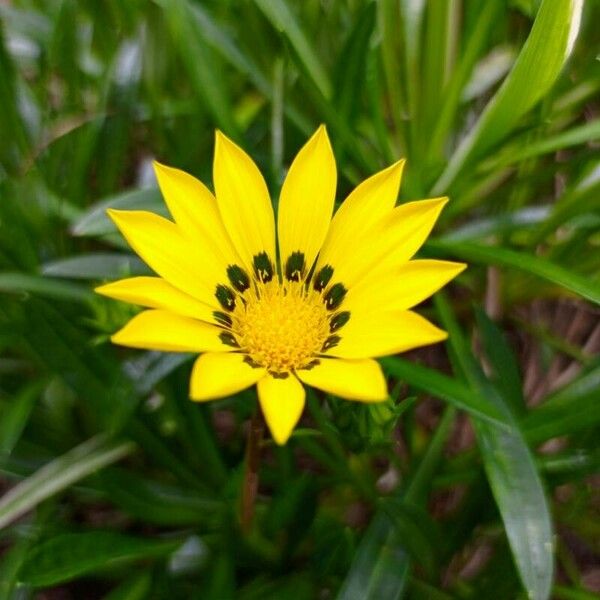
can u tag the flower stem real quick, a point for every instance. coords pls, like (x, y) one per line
(250, 485)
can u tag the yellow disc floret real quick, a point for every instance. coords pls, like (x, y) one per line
(281, 326)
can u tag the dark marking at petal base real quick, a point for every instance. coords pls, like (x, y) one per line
(339, 320)
(331, 342)
(251, 362)
(263, 267)
(228, 339)
(322, 278)
(238, 278)
(226, 297)
(276, 375)
(335, 296)
(311, 365)
(222, 319)
(295, 266)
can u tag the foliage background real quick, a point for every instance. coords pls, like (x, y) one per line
(476, 479)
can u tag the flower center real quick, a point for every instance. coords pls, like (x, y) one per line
(281, 326)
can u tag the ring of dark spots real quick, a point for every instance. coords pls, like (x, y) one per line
(277, 375)
(311, 365)
(251, 362)
(339, 320)
(331, 342)
(226, 297)
(263, 267)
(295, 266)
(222, 318)
(228, 339)
(335, 296)
(322, 278)
(238, 278)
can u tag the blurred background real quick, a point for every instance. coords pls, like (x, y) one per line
(479, 477)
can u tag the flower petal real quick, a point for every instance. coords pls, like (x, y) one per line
(191, 267)
(391, 241)
(362, 209)
(154, 292)
(401, 287)
(219, 374)
(383, 333)
(282, 403)
(306, 201)
(194, 209)
(165, 331)
(243, 201)
(351, 379)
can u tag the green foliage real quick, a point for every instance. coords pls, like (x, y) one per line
(115, 485)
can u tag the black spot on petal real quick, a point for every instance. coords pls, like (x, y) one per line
(222, 318)
(331, 342)
(339, 320)
(251, 362)
(295, 266)
(335, 296)
(226, 297)
(322, 278)
(311, 365)
(263, 267)
(228, 339)
(238, 278)
(276, 375)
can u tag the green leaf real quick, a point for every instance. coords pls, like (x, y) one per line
(59, 474)
(155, 502)
(95, 222)
(135, 588)
(504, 257)
(283, 19)
(203, 70)
(503, 361)
(14, 417)
(73, 555)
(380, 567)
(512, 474)
(25, 284)
(443, 387)
(352, 63)
(588, 132)
(568, 410)
(96, 266)
(536, 69)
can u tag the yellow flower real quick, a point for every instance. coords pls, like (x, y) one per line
(339, 295)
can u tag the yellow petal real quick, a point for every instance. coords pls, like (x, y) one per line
(191, 267)
(365, 206)
(383, 333)
(401, 287)
(306, 201)
(243, 200)
(165, 331)
(194, 209)
(391, 241)
(282, 403)
(154, 292)
(218, 374)
(351, 379)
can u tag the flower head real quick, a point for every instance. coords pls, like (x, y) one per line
(338, 296)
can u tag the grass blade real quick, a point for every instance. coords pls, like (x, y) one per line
(504, 257)
(81, 461)
(283, 19)
(537, 67)
(512, 474)
(71, 555)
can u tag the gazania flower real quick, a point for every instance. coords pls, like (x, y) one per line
(338, 295)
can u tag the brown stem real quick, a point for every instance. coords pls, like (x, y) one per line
(250, 485)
